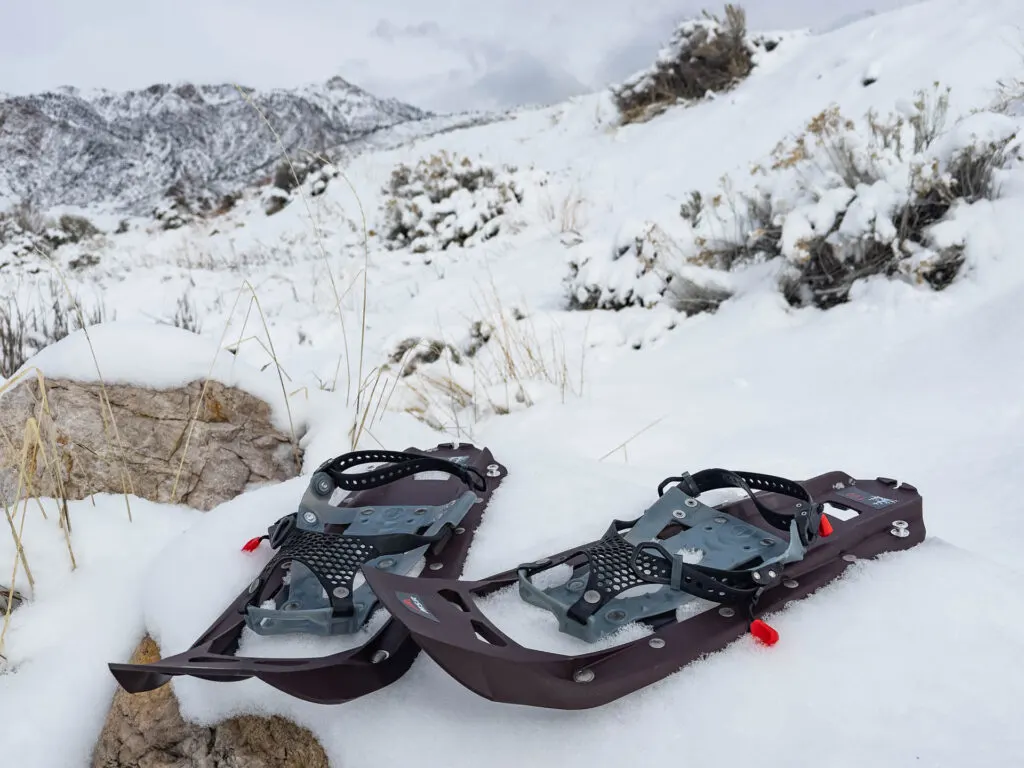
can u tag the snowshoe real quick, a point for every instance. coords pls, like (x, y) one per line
(750, 556)
(418, 507)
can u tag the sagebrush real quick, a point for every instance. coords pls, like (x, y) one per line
(704, 55)
(446, 201)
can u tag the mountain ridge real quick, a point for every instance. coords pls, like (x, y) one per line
(129, 149)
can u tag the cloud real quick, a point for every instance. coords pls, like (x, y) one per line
(444, 54)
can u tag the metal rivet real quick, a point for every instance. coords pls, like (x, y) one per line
(341, 592)
(767, 542)
(592, 596)
(583, 675)
(309, 517)
(420, 512)
(286, 566)
(772, 574)
(656, 642)
(436, 566)
(679, 514)
(899, 533)
(254, 586)
(791, 583)
(900, 524)
(460, 530)
(380, 656)
(850, 558)
(290, 606)
(691, 502)
(726, 611)
(756, 576)
(616, 615)
(387, 562)
(719, 520)
(799, 505)
(367, 511)
(575, 586)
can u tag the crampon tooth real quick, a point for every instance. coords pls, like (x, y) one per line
(825, 526)
(252, 544)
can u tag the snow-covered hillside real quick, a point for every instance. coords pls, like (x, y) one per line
(424, 291)
(127, 149)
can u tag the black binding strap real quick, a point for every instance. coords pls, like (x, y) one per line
(808, 518)
(651, 563)
(400, 464)
(616, 565)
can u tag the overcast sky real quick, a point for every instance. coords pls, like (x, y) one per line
(439, 54)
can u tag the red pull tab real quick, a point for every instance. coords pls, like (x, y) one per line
(764, 633)
(251, 545)
(825, 526)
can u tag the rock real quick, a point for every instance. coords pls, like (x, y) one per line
(233, 444)
(146, 730)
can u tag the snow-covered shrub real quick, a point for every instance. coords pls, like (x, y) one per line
(405, 357)
(172, 213)
(848, 199)
(77, 228)
(629, 273)
(24, 230)
(289, 175)
(705, 55)
(452, 378)
(274, 200)
(445, 201)
(642, 268)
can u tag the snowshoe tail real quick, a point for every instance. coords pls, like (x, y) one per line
(416, 507)
(749, 557)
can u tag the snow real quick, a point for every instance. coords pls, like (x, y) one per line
(59, 643)
(155, 356)
(910, 660)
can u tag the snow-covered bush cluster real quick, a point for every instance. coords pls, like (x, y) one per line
(316, 171)
(848, 199)
(172, 213)
(451, 378)
(446, 200)
(643, 267)
(24, 230)
(705, 55)
(841, 201)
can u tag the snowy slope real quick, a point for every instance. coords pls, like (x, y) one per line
(910, 661)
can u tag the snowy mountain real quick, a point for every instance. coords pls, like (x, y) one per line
(815, 268)
(127, 149)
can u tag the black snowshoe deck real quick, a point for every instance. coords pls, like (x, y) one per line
(417, 507)
(751, 556)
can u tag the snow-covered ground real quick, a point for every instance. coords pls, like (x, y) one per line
(911, 660)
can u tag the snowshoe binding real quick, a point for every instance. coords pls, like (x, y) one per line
(750, 556)
(417, 507)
